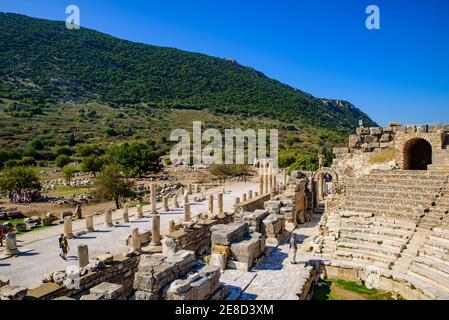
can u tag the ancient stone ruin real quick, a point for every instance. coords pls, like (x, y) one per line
(379, 215)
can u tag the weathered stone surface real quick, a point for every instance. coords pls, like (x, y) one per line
(273, 206)
(92, 296)
(386, 137)
(246, 251)
(219, 260)
(143, 295)
(375, 131)
(198, 286)
(254, 219)
(274, 225)
(226, 234)
(12, 292)
(341, 150)
(110, 291)
(105, 258)
(158, 270)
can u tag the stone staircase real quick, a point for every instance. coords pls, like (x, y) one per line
(397, 221)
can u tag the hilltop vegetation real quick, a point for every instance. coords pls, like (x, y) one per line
(72, 88)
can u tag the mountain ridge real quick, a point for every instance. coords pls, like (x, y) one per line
(93, 66)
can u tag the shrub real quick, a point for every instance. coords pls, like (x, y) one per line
(62, 160)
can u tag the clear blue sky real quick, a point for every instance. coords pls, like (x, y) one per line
(400, 72)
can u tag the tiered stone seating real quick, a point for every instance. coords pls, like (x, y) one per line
(399, 222)
(372, 240)
(402, 194)
(431, 264)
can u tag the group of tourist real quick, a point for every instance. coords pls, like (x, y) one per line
(25, 197)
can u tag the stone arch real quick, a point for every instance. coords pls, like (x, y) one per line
(417, 154)
(405, 144)
(324, 170)
(318, 185)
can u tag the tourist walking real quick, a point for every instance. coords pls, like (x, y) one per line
(64, 246)
(293, 248)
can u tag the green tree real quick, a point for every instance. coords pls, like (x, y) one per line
(93, 164)
(27, 162)
(287, 158)
(136, 158)
(62, 160)
(68, 171)
(112, 185)
(36, 144)
(19, 179)
(64, 150)
(307, 162)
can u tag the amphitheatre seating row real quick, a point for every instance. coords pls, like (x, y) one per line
(374, 240)
(409, 219)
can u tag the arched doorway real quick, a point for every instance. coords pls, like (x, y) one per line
(322, 185)
(417, 154)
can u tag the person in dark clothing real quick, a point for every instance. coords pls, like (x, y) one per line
(64, 246)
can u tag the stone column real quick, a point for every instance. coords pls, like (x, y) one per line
(261, 182)
(321, 161)
(153, 198)
(250, 194)
(274, 182)
(68, 227)
(320, 188)
(90, 223)
(220, 204)
(211, 204)
(125, 213)
(266, 180)
(11, 244)
(135, 240)
(108, 218)
(197, 188)
(156, 230)
(244, 197)
(139, 210)
(189, 188)
(165, 204)
(175, 202)
(186, 197)
(171, 226)
(270, 182)
(83, 255)
(237, 200)
(186, 212)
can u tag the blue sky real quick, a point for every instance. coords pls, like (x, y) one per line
(400, 72)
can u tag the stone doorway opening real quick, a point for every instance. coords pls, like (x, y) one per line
(417, 154)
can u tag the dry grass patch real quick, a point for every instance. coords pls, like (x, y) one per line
(383, 156)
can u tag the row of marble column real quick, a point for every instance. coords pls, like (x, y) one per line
(156, 233)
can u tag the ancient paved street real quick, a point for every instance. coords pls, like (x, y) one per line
(273, 279)
(40, 248)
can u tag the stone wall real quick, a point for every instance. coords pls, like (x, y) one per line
(157, 271)
(196, 239)
(367, 141)
(253, 204)
(120, 271)
(370, 139)
(201, 285)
